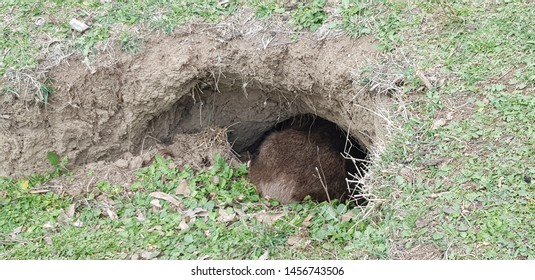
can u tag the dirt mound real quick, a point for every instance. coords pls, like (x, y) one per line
(202, 77)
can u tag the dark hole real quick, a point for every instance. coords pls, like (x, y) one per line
(354, 153)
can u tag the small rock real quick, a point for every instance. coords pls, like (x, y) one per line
(78, 25)
(121, 163)
(135, 257)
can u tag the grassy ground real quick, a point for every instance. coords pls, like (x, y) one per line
(456, 180)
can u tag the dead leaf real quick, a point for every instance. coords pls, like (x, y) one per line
(215, 180)
(433, 162)
(348, 216)
(240, 212)
(183, 225)
(448, 210)
(158, 228)
(15, 232)
(449, 116)
(39, 191)
(224, 217)
(48, 240)
(438, 123)
(140, 216)
(78, 223)
(462, 228)
(148, 255)
(66, 216)
(167, 197)
(3, 194)
(294, 240)
(156, 203)
(111, 214)
(268, 218)
(105, 201)
(197, 212)
(48, 225)
(183, 188)
(135, 257)
(265, 256)
(70, 210)
(421, 223)
(306, 221)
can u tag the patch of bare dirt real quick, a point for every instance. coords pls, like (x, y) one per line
(241, 75)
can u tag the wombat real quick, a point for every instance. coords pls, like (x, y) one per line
(299, 161)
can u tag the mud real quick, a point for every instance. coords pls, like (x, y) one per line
(179, 87)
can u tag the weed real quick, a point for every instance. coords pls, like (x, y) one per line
(309, 16)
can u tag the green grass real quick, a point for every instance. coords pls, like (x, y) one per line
(465, 186)
(477, 202)
(229, 221)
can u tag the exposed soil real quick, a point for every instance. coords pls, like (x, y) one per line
(181, 89)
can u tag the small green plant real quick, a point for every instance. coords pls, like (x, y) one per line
(352, 13)
(59, 164)
(309, 16)
(130, 42)
(266, 8)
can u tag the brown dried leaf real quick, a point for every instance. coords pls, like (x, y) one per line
(225, 217)
(197, 212)
(156, 203)
(438, 123)
(70, 210)
(421, 223)
(140, 216)
(48, 225)
(306, 221)
(38, 191)
(78, 223)
(268, 218)
(183, 188)
(265, 256)
(48, 240)
(183, 225)
(15, 232)
(348, 216)
(167, 197)
(158, 228)
(294, 240)
(111, 214)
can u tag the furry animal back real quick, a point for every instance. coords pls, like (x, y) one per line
(297, 162)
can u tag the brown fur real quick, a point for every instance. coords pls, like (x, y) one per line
(285, 167)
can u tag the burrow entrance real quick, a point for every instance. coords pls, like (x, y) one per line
(249, 111)
(111, 118)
